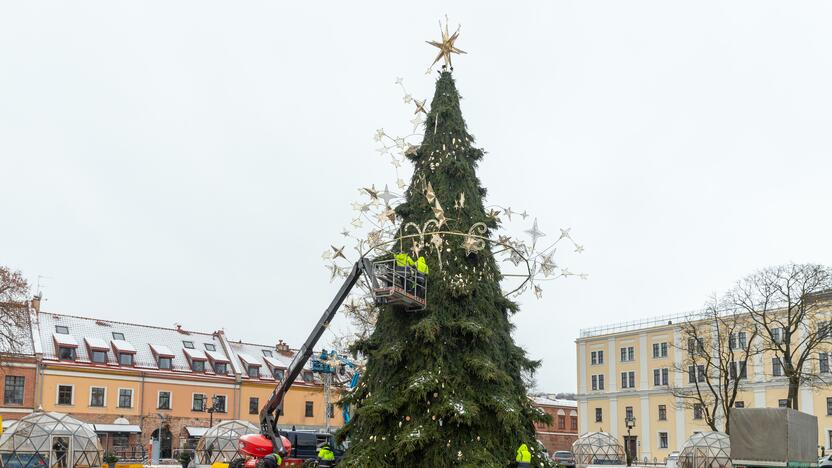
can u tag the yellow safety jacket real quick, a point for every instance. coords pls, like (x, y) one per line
(422, 266)
(523, 454)
(403, 260)
(325, 453)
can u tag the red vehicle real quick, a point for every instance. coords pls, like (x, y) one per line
(256, 446)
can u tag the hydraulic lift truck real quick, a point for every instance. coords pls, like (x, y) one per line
(401, 286)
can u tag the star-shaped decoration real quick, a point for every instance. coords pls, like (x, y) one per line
(446, 47)
(395, 162)
(548, 265)
(386, 195)
(416, 121)
(508, 213)
(351, 307)
(565, 233)
(333, 272)
(505, 240)
(336, 252)
(494, 214)
(436, 241)
(538, 292)
(372, 192)
(471, 245)
(379, 134)
(357, 222)
(387, 215)
(515, 257)
(399, 80)
(579, 248)
(345, 233)
(407, 98)
(524, 214)
(326, 255)
(535, 233)
(362, 207)
(374, 238)
(411, 150)
(401, 184)
(438, 212)
(420, 106)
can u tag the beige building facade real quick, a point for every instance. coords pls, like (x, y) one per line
(633, 369)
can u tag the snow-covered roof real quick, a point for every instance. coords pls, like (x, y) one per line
(96, 343)
(64, 340)
(195, 354)
(217, 356)
(137, 338)
(547, 401)
(249, 360)
(123, 346)
(161, 350)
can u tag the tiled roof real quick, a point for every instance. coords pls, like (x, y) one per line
(136, 337)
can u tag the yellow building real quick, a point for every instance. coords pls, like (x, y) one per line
(134, 381)
(632, 369)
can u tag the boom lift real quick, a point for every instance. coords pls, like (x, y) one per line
(396, 287)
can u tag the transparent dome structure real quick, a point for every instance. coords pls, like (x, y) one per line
(706, 450)
(598, 448)
(219, 444)
(54, 440)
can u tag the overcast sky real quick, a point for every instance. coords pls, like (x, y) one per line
(188, 162)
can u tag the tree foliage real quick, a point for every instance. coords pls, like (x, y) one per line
(14, 313)
(444, 386)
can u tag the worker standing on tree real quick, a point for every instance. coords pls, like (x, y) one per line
(326, 458)
(524, 457)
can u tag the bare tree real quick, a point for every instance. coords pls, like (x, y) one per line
(786, 302)
(14, 313)
(717, 345)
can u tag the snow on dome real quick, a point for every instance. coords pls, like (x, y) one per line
(46, 438)
(706, 450)
(219, 444)
(597, 448)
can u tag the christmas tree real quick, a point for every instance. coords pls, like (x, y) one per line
(444, 386)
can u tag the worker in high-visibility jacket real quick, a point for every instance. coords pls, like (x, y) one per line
(404, 265)
(524, 457)
(326, 458)
(273, 460)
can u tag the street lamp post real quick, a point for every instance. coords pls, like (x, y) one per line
(630, 422)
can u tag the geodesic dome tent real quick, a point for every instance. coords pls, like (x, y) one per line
(598, 448)
(706, 450)
(50, 439)
(219, 444)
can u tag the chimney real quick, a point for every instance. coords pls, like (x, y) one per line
(283, 348)
(36, 302)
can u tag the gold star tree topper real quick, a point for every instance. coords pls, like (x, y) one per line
(446, 47)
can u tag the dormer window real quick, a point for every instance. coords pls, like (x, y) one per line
(125, 359)
(307, 377)
(188, 344)
(221, 368)
(268, 353)
(198, 366)
(165, 362)
(62, 329)
(210, 347)
(118, 336)
(98, 357)
(66, 353)
(254, 372)
(277, 374)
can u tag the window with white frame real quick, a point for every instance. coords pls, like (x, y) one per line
(198, 403)
(663, 440)
(125, 398)
(660, 377)
(660, 350)
(738, 370)
(776, 367)
(98, 356)
(219, 403)
(118, 336)
(662, 412)
(13, 390)
(597, 382)
(97, 395)
(164, 400)
(737, 340)
(628, 413)
(65, 394)
(628, 379)
(599, 415)
(628, 354)
(696, 346)
(823, 363)
(778, 335)
(696, 373)
(596, 357)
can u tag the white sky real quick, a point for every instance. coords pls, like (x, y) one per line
(190, 161)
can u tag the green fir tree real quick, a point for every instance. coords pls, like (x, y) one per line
(443, 386)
